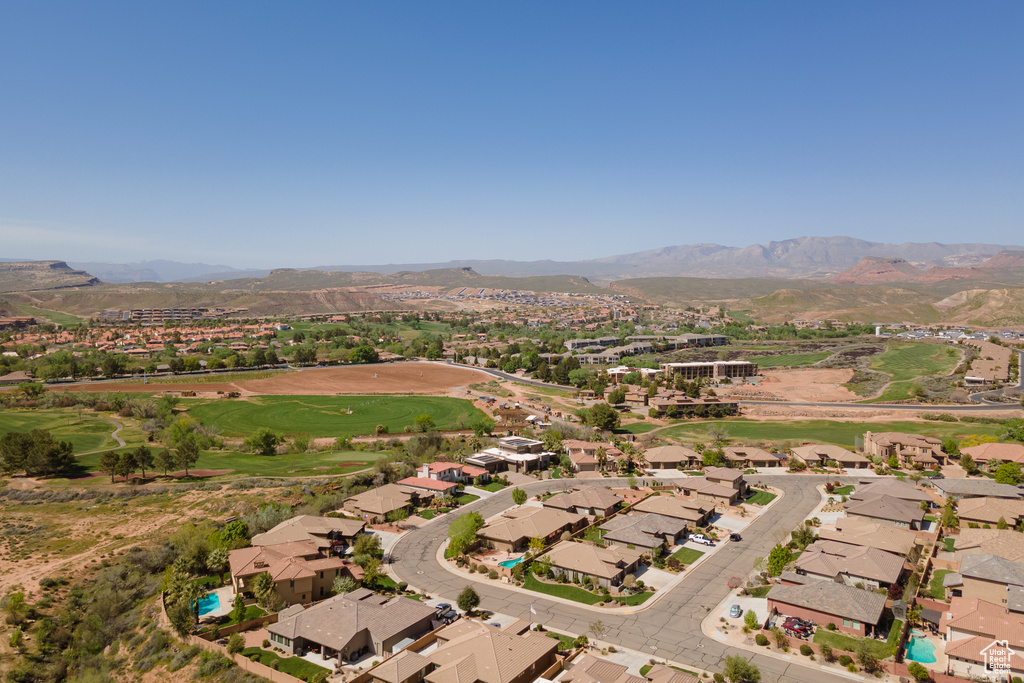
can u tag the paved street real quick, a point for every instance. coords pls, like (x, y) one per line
(670, 628)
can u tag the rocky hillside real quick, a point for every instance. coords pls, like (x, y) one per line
(31, 276)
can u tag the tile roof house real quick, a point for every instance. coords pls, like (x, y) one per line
(909, 449)
(584, 454)
(719, 485)
(990, 510)
(428, 485)
(591, 669)
(375, 504)
(301, 573)
(339, 626)
(748, 456)
(970, 626)
(860, 531)
(903, 490)
(672, 457)
(1005, 543)
(659, 673)
(579, 561)
(852, 565)
(1007, 452)
(989, 578)
(901, 513)
(645, 531)
(513, 529)
(852, 610)
(960, 489)
(585, 500)
(819, 455)
(452, 471)
(478, 653)
(329, 533)
(690, 510)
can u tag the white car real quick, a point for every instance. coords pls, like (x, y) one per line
(702, 539)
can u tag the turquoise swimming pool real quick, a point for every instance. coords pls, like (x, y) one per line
(210, 602)
(511, 563)
(921, 650)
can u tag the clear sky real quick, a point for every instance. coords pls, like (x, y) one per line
(267, 134)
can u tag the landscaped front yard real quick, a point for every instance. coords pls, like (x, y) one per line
(493, 487)
(687, 555)
(880, 649)
(569, 591)
(294, 666)
(761, 498)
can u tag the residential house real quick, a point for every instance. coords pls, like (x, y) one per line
(659, 673)
(959, 489)
(671, 458)
(894, 488)
(595, 501)
(677, 403)
(453, 472)
(584, 455)
(513, 453)
(1007, 452)
(474, 652)
(714, 370)
(899, 512)
(748, 457)
(695, 513)
(340, 626)
(644, 531)
(987, 577)
(820, 455)
(433, 487)
(853, 610)
(375, 505)
(331, 534)
(580, 561)
(909, 449)
(723, 476)
(591, 669)
(1005, 543)
(708, 489)
(513, 530)
(858, 531)
(982, 511)
(859, 566)
(971, 628)
(301, 572)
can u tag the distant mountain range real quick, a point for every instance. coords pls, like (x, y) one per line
(802, 257)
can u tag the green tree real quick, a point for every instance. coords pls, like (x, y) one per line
(144, 459)
(603, 416)
(518, 496)
(967, 462)
(344, 584)
(237, 609)
(462, 532)
(865, 656)
(713, 457)
(364, 354)
(371, 573)
(236, 643)
(127, 465)
(368, 544)
(109, 463)
(217, 561)
(750, 619)
(262, 442)
(738, 669)
(187, 454)
(424, 423)
(263, 588)
(949, 517)
(165, 459)
(1009, 473)
(235, 535)
(617, 395)
(918, 672)
(36, 452)
(468, 599)
(778, 558)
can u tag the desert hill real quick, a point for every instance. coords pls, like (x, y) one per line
(27, 276)
(1006, 267)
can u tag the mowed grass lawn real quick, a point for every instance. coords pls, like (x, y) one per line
(818, 431)
(880, 649)
(328, 415)
(247, 464)
(904, 361)
(794, 360)
(89, 432)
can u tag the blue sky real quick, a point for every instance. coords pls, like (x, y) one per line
(269, 134)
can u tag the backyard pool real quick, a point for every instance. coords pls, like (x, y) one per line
(921, 650)
(210, 602)
(511, 563)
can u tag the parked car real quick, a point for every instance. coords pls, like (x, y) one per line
(442, 608)
(735, 612)
(797, 628)
(702, 539)
(448, 617)
(735, 537)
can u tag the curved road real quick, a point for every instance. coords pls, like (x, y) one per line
(671, 627)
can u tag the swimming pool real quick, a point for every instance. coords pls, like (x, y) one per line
(210, 602)
(511, 563)
(921, 650)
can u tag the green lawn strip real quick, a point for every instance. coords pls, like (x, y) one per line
(562, 590)
(894, 635)
(906, 361)
(294, 666)
(843, 490)
(427, 514)
(687, 555)
(56, 317)
(931, 518)
(759, 591)
(816, 431)
(88, 432)
(466, 499)
(896, 391)
(949, 543)
(385, 581)
(493, 487)
(839, 641)
(564, 642)
(791, 361)
(935, 587)
(761, 498)
(546, 391)
(323, 416)
(637, 428)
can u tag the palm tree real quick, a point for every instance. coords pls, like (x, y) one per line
(217, 560)
(192, 593)
(602, 457)
(263, 587)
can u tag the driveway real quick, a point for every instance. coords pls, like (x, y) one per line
(671, 627)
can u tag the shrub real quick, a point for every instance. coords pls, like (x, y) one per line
(918, 672)
(845, 660)
(826, 651)
(806, 650)
(719, 678)
(492, 574)
(831, 626)
(761, 639)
